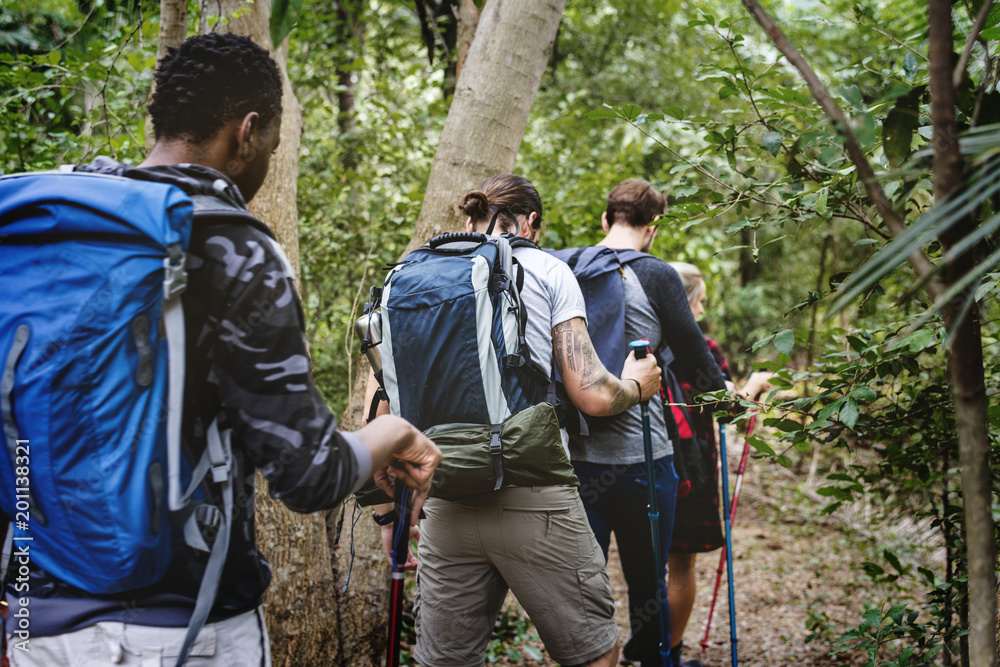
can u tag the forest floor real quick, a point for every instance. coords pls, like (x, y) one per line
(798, 573)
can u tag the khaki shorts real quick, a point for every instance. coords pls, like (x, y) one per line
(240, 641)
(536, 541)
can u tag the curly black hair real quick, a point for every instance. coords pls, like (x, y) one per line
(209, 80)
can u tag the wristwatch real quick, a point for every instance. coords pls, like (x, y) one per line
(384, 519)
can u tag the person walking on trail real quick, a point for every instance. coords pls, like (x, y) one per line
(610, 461)
(534, 541)
(697, 518)
(216, 112)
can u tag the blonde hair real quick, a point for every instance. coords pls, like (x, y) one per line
(694, 284)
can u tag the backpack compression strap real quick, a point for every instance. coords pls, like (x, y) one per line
(217, 459)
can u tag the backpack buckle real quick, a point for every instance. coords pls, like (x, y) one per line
(496, 446)
(174, 272)
(220, 472)
(500, 282)
(514, 361)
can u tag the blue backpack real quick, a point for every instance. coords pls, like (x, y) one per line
(599, 271)
(446, 337)
(92, 346)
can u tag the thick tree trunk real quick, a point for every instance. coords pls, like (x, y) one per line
(173, 31)
(965, 363)
(489, 113)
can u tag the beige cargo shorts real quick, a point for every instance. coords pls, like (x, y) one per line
(537, 542)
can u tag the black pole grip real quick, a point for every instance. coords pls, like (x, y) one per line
(640, 347)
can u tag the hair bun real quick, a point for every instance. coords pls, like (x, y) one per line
(476, 205)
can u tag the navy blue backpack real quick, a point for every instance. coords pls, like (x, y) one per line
(599, 271)
(92, 348)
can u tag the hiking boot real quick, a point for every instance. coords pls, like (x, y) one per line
(675, 658)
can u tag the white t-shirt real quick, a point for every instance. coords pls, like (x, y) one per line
(551, 296)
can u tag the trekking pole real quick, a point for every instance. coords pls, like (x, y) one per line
(732, 517)
(641, 347)
(400, 550)
(727, 523)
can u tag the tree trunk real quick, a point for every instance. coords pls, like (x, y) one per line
(965, 363)
(489, 113)
(173, 31)
(468, 21)
(350, 32)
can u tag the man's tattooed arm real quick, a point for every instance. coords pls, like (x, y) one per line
(589, 384)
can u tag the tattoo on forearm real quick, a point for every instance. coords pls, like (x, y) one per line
(575, 351)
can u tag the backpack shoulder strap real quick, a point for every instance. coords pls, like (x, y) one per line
(627, 256)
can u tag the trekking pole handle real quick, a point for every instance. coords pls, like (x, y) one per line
(640, 347)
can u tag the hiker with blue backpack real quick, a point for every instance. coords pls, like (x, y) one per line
(631, 294)
(155, 357)
(472, 328)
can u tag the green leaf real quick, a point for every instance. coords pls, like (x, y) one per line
(514, 654)
(786, 425)
(993, 18)
(54, 57)
(896, 612)
(284, 16)
(831, 508)
(758, 443)
(917, 341)
(864, 127)
(849, 413)
(630, 112)
(910, 65)
(674, 112)
(784, 461)
(828, 411)
(899, 126)
(993, 414)
(872, 569)
(990, 34)
(821, 201)
(785, 341)
(894, 561)
(853, 96)
(772, 142)
(864, 394)
(534, 653)
(727, 91)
